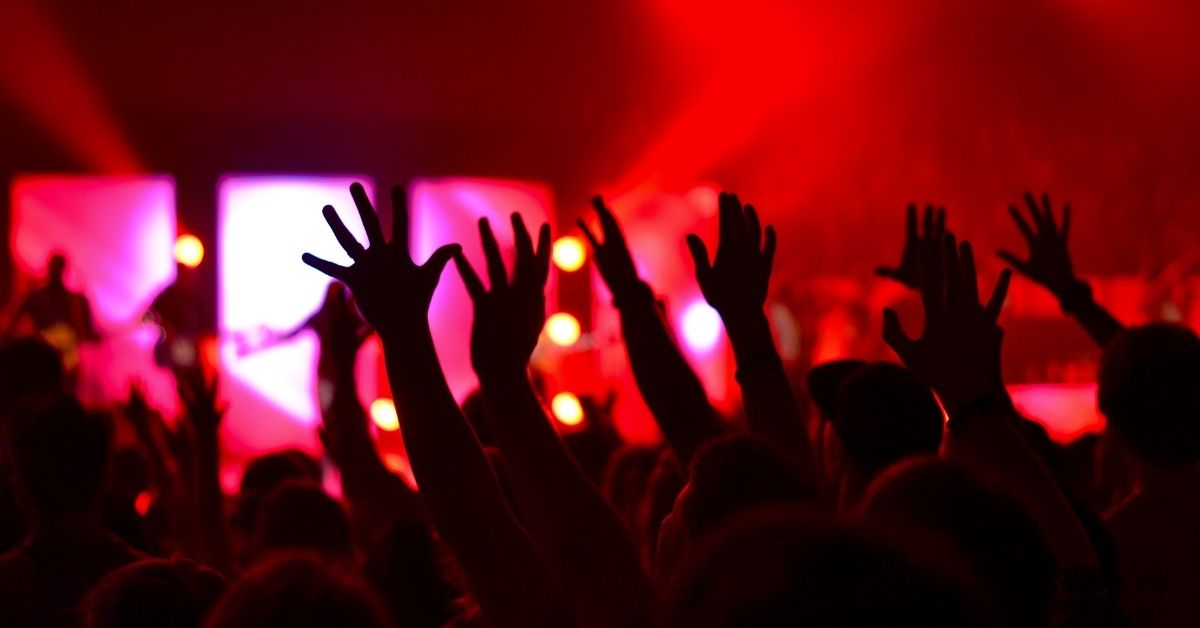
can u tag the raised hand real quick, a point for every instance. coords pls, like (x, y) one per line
(663, 376)
(582, 539)
(1049, 261)
(612, 255)
(392, 291)
(735, 281)
(933, 230)
(200, 398)
(508, 315)
(958, 353)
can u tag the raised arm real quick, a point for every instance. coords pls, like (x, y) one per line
(203, 411)
(461, 493)
(376, 496)
(666, 381)
(582, 538)
(958, 356)
(1049, 264)
(735, 284)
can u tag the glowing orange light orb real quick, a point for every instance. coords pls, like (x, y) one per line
(189, 251)
(567, 409)
(383, 413)
(569, 254)
(562, 329)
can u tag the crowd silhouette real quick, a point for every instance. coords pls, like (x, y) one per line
(908, 493)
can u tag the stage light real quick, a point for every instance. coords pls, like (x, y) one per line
(569, 253)
(701, 326)
(143, 502)
(189, 251)
(567, 409)
(383, 413)
(562, 329)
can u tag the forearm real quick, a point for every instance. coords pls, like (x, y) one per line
(461, 493)
(983, 435)
(212, 537)
(1078, 302)
(357, 459)
(586, 545)
(663, 376)
(772, 410)
(374, 494)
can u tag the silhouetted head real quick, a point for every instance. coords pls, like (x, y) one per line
(626, 476)
(884, 414)
(266, 472)
(662, 488)
(301, 516)
(59, 455)
(414, 575)
(56, 269)
(734, 473)
(154, 593)
(29, 366)
(298, 590)
(996, 537)
(1150, 393)
(786, 566)
(824, 382)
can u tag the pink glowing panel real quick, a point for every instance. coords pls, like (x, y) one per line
(447, 210)
(265, 223)
(1067, 411)
(118, 234)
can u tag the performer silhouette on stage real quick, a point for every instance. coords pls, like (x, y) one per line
(60, 317)
(181, 311)
(340, 332)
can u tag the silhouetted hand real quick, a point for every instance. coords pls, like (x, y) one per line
(138, 411)
(612, 256)
(933, 230)
(199, 397)
(736, 280)
(958, 353)
(1049, 262)
(392, 291)
(508, 316)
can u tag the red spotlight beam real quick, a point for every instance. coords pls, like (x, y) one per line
(39, 72)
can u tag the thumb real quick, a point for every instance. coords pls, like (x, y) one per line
(699, 256)
(437, 262)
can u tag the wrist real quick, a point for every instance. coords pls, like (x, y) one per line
(741, 316)
(632, 294)
(755, 362)
(501, 378)
(1072, 295)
